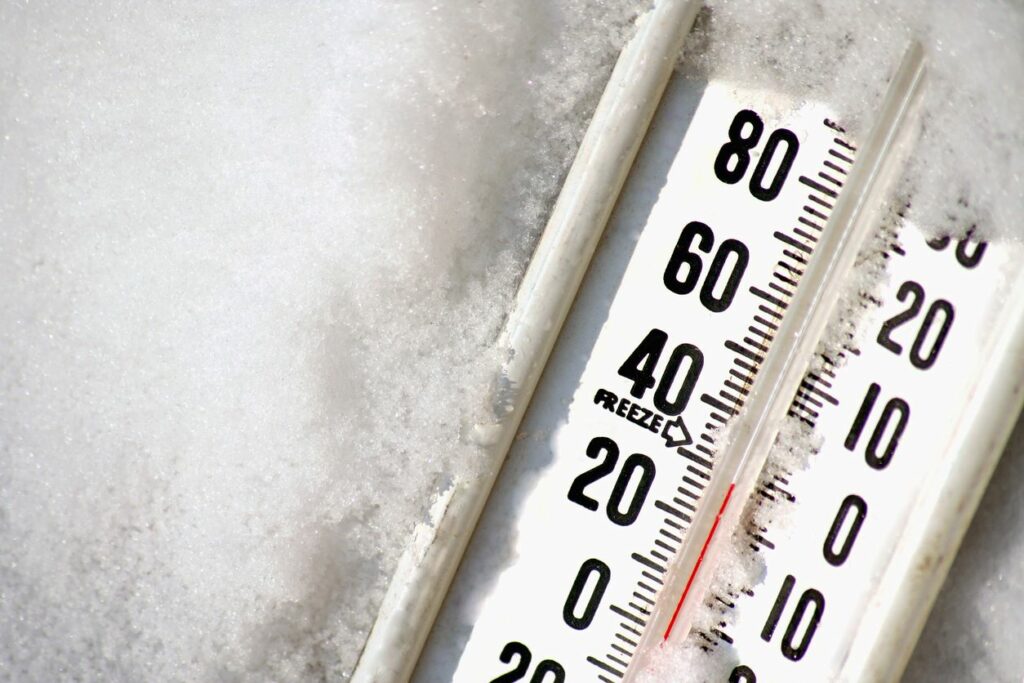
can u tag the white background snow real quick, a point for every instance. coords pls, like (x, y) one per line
(252, 255)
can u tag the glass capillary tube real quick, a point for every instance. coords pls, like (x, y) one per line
(620, 121)
(751, 435)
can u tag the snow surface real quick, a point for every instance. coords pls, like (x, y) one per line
(973, 633)
(253, 257)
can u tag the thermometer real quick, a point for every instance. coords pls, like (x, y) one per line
(649, 508)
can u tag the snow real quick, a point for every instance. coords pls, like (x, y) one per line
(253, 257)
(971, 633)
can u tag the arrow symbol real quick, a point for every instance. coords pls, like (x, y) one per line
(675, 433)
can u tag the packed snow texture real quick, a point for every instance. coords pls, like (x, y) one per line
(253, 258)
(968, 165)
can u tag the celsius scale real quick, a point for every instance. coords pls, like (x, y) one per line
(756, 434)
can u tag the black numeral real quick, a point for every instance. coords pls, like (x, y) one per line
(604, 574)
(634, 463)
(895, 409)
(939, 312)
(540, 674)
(640, 367)
(510, 651)
(742, 674)
(637, 463)
(837, 556)
(597, 446)
(757, 187)
(548, 667)
(968, 252)
(734, 157)
(695, 362)
(811, 599)
(738, 147)
(918, 357)
(640, 364)
(730, 261)
(915, 292)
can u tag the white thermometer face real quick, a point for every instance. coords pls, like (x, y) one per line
(708, 243)
(883, 427)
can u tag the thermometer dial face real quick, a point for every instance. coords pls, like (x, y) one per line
(707, 246)
(881, 421)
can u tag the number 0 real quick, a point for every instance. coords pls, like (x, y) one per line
(587, 569)
(853, 503)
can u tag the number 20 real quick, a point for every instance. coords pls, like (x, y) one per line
(540, 674)
(607, 451)
(940, 312)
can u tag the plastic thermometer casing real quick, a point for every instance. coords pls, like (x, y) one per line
(592, 558)
(549, 286)
(543, 302)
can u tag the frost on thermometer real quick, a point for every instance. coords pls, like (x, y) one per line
(709, 240)
(825, 544)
